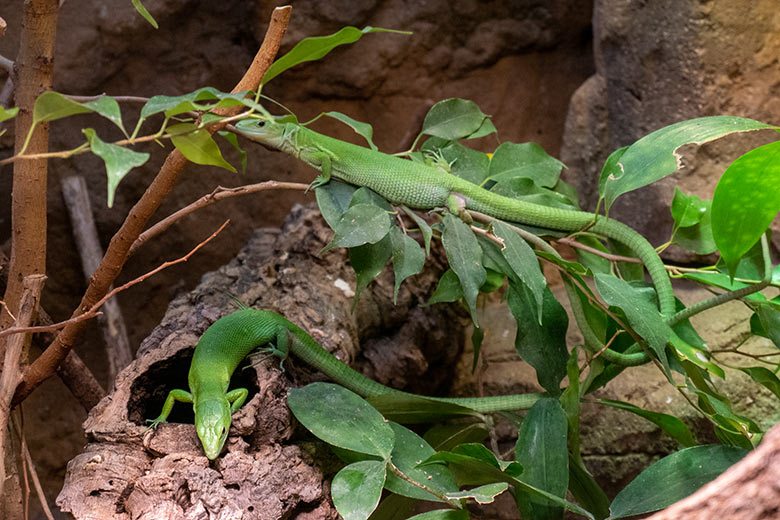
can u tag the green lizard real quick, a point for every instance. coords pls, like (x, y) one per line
(231, 338)
(421, 186)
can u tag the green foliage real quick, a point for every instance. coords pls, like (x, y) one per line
(119, 160)
(143, 12)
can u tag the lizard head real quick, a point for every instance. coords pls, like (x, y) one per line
(266, 131)
(212, 418)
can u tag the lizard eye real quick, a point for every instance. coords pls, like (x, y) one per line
(260, 124)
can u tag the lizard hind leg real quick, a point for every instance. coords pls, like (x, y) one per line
(456, 204)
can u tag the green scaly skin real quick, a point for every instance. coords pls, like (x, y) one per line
(231, 338)
(422, 186)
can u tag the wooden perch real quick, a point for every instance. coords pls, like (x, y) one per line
(117, 347)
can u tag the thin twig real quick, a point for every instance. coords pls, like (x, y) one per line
(32, 471)
(218, 194)
(120, 99)
(93, 311)
(609, 256)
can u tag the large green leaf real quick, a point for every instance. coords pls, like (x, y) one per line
(118, 160)
(541, 449)
(315, 47)
(413, 409)
(523, 261)
(51, 106)
(197, 145)
(464, 162)
(673, 478)
(447, 290)
(668, 423)
(395, 507)
(408, 257)
(356, 489)
(642, 315)
(465, 258)
(745, 202)
(342, 418)
(408, 451)
(368, 261)
(526, 160)
(543, 346)
(654, 156)
(453, 119)
(334, 198)
(360, 224)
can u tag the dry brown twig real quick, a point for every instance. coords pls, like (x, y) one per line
(93, 311)
(117, 253)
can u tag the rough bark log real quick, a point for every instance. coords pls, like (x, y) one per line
(129, 472)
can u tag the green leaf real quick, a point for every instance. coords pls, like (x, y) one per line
(447, 290)
(586, 490)
(522, 188)
(408, 257)
(368, 261)
(360, 224)
(670, 424)
(525, 160)
(442, 514)
(523, 261)
(687, 210)
(409, 450)
(174, 105)
(118, 160)
(468, 164)
(541, 449)
(143, 12)
(364, 130)
(108, 107)
(453, 119)
(197, 145)
(610, 169)
(334, 198)
(231, 138)
(653, 157)
(642, 315)
(394, 507)
(356, 489)
(697, 238)
(314, 48)
(673, 478)
(766, 322)
(465, 258)
(481, 494)
(487, 128)
(425, 228)
(415, 409)
(543, 346)
(765, 377)
(342, 418)
(745, 202)
(697, 356)
(51, 106)
(8, 113)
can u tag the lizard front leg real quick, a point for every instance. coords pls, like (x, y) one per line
(174, 395)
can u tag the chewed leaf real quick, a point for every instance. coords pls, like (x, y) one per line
(654, 156)
(118, 160)
(745, 202)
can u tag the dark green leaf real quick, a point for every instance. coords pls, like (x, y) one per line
(118, 160)
(522, 188)
(360, 224)
(745, 202)
(408, 257)
(668, 423)
(231, 138)
(477, 336)
(446, 436)
(765, 377)
(586, 490)
(453, 119)
(541, 449)
(342, 418)
(697, 238)
(409, 450)
(143, 12)
(425, 229)
(364, 130)
(197, 145)
(481, 494)
(525, 160)
(594, 262)
(464, 162)
(673, 478)
(523, 261)
(465, 258)
(654, 156)
(610, 169)
(51, 106)
(356, 489)
(448, 289)
(395, 507)
(698, 356)
(314, 48)
(543, 346)
(687, 210)
(365, 195)
(642, 315)
(334, 198)
(768, 323)
(487, 128)
(368, 261)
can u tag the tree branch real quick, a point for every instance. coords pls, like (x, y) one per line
(117, 252)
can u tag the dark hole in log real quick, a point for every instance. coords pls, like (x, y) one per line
(150, 389)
